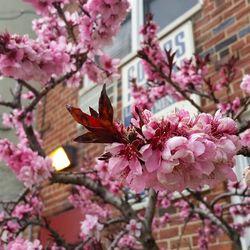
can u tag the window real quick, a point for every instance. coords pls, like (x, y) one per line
(122, 43)
(241, 164)
(166, 11)
(91, 97)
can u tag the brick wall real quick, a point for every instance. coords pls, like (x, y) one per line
(221, 28)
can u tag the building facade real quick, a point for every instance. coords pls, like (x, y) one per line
(15, 17)
(218, 27)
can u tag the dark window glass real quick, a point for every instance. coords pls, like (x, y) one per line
(166, 11)
(122, 42)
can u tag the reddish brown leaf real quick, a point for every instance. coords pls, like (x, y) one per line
(93, 113)
(83, 118)
(106, 111)
(91, 137)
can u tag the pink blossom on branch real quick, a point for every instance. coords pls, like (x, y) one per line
(171, 154)
(29, 167)
(27, 59)
(102, 22)
(21, 244)
(245, 138)
(245, 84)
(90, 227)
(134, 228)
(178, 152)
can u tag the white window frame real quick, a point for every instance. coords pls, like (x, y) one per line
(241, 163)
(137, 20)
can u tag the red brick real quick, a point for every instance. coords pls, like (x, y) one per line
(222, 247)
(216, 39)
(186, 242)
(169, 233)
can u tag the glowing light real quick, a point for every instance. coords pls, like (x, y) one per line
(60, 159)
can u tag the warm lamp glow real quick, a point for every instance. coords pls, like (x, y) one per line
(60, 159)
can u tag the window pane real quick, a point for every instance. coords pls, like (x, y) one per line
(122, 42)
(166, 11)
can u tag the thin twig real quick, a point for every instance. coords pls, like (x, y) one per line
(243, 109)
(29, 87)
(150, 210)
(171, 82)
(117, 239)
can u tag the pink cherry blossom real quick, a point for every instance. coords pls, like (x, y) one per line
(21, 210)
(134, 228)
(245, 138)
(21, 244)
(96, 29)
(26, 59)
(90, 227)
(124, 161)
(29, 167)
(245, 84)
(177, 152)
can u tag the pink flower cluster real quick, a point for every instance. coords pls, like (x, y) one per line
(208, 231)
(48, 28)
(29, 167)
(245, 84)
(143, 97)
(32, 205)
(150, 47)
(245, 138)
(190, 75)
(231, 107)
(81, 198)
(127, 241)
(102, 22)
(176, 152)
(44, 7)
(12, 120)
(134, 228)
(21, 244)
(105, 71)
(108, 181)
(90, 227)
(26, 59)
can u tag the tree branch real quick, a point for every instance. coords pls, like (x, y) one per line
(52, 84)
(243, 109)
(98, 189)
(32, 139)
(245, 151)
(150, 210)
(29, 87)
(117, 239)
(169, 80)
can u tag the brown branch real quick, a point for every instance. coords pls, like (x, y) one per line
(169, 80)
(229, 194)
(52, 84)
(117, 239)
(8, 104)
(207, 214)
(245, 151)
(243, 109)
(98, 189)
(32, 139)
(29, 87)
(236, 204)
(68, 26)
(113, 221)
(150, 210)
